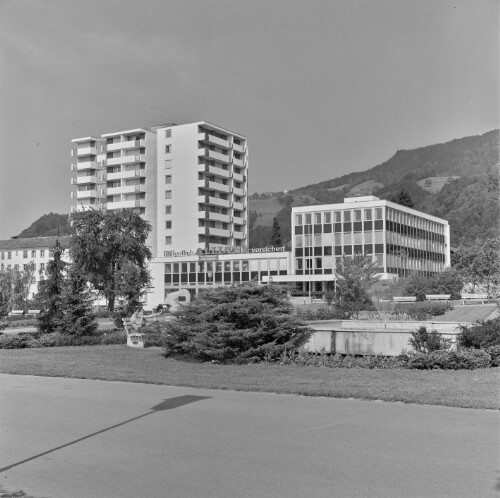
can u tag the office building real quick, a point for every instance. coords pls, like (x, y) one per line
(400, 240)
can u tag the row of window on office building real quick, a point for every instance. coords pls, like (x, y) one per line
(357, 220)
(206, 272)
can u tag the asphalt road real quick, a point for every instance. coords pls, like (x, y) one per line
(69, 438)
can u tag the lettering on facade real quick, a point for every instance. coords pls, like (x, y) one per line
(205, 253)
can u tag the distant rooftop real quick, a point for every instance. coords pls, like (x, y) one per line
(34, 243)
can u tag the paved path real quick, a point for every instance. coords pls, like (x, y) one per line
(62, 438)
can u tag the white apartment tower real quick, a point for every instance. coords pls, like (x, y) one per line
(189, 181)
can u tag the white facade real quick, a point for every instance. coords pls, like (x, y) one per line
(18, 254)
(189, 181)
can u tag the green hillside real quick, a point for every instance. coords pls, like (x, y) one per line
(47, 226)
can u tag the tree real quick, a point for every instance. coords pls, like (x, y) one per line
(76, 305)
(234, 324)
(355, 275)
(49, 293)
(105, 244)
(276, 236)
(480, 263)
(403, 198)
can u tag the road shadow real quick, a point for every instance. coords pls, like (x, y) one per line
(167, 404)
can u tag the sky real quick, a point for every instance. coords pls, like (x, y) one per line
(319, 88)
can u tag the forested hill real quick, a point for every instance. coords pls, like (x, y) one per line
(456, 180)
(48, 225)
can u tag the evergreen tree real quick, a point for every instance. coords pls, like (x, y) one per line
(76, 303)
(50, 290)
(403, 198)
(234, 324)
(276, 236)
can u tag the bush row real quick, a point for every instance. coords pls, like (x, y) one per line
(38, 340)
(464, 359)
(24, 322)
(399, 311)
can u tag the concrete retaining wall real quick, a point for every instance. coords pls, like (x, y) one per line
(369, 337)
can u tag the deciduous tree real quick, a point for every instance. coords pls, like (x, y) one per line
(105, 244)
(355, 275)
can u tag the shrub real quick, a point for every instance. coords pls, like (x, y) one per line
(481, 334)
(449, 360)
(323, 313)
(424, 342)
(114, 337)
(44, 341)
(423, 310)
(27, 322)
(234, 324)
(302, 357)
(494, 352)
(17, 341)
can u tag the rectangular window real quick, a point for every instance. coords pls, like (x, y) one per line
(168, 224)
(328, 217)
(168, 164)
(168, 179)
(347, 216)
(317, 218)
(168, 209)
(298, 219)
(33, 254)
(42, 253)
(337, 217)
(168, 240)
(42, 266)
(25, 254)
(357, 215)
(168, 133)
(308, 219)
(368, 214)
(3, 255)
(168, 149)
(9, 255)
(378, 213)
(168, 194)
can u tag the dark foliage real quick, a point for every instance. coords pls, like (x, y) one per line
(234, 324)
(76, 303)
(403, 198)
(480, 335)
(425, 342)
(447, 282)
(276, 235)
(450, 360)
(424, 310)
(109, 250)
(50, 293)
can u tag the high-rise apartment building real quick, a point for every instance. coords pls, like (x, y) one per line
(189, 181)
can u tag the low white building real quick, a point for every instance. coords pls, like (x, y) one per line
(17, 254)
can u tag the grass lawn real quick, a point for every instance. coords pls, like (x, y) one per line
(463, 388)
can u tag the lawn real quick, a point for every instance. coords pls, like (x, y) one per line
(464, 388)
